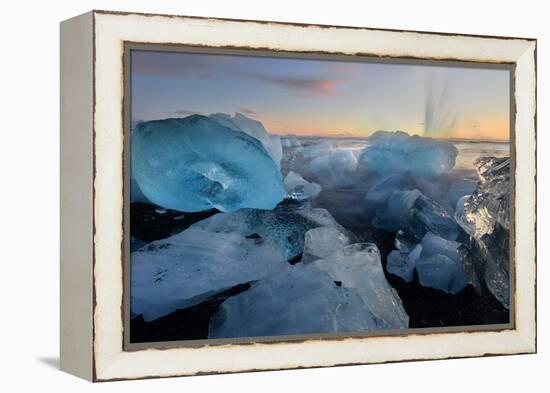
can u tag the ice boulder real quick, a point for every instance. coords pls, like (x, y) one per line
(297, 300)
(185, 269)
(414, 213)
(323, 241)
(395, 152)
(196, 163)
(358, 267)
(280, 227)
(254, 128)
(402, 264)
(299, 188)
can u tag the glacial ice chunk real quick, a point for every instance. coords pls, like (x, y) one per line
(414, 213)
(440, 264)
(358, 267)
(299, 188)
(441, 272)
(322, 241)
(195, 163)
(403, 264)
(297, 300)
(395, 152)
(187, 268)
(432, 244)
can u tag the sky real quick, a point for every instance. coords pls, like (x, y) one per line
(308, 97)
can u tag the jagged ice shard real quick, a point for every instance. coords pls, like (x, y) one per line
(197, 163)
(485, 216)
(395, 152)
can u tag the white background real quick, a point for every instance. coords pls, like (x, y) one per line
(29, 123)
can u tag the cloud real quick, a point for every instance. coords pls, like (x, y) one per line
(183, 112)
(247, 111)
(311, 87)
(315, 87)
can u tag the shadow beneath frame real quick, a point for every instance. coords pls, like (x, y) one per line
(52, 362)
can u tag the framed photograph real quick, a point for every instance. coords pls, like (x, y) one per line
(246, 195)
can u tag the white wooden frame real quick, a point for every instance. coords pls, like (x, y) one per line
(92, 143)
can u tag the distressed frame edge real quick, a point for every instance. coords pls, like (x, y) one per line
(526, 339)
(303, 24)
(76, 196)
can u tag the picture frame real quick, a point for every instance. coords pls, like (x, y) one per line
(94, 320)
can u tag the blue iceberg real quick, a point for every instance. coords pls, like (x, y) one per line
(395, 152)
(197, 163)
